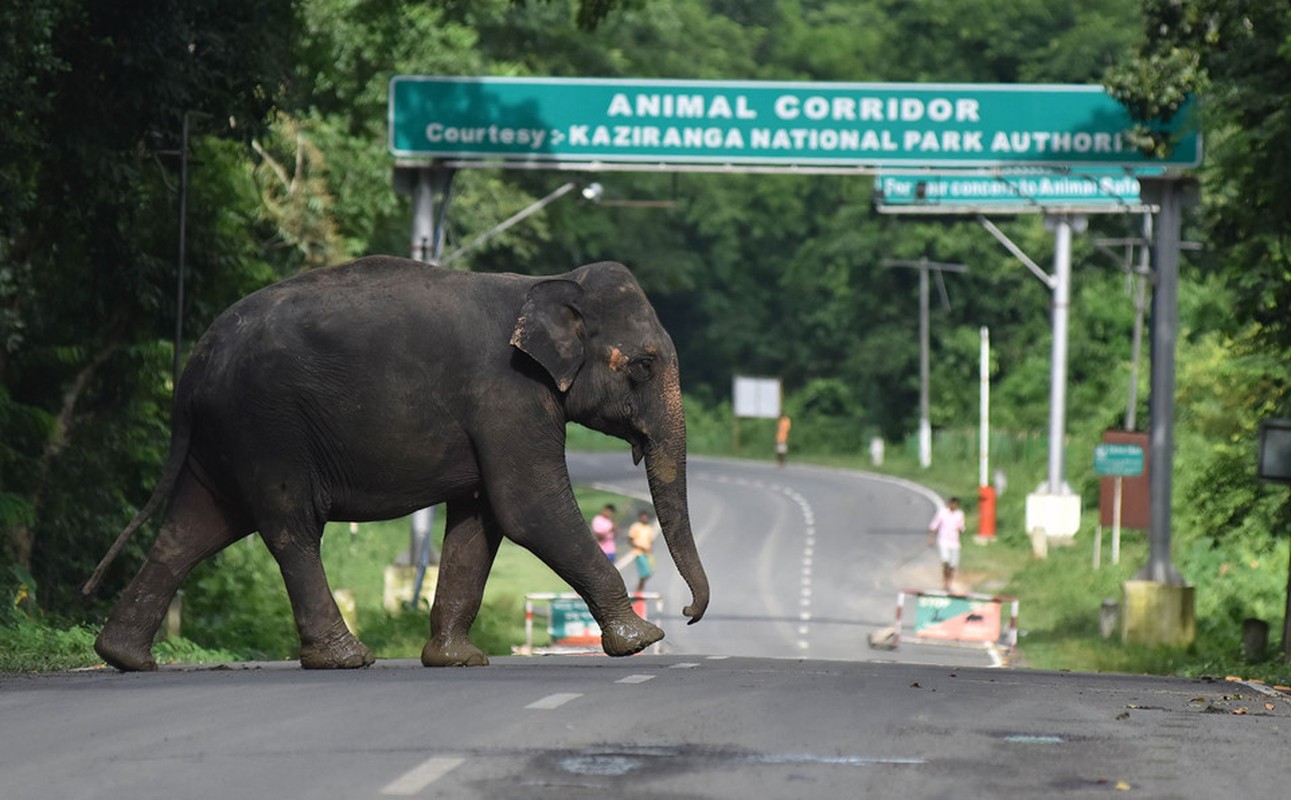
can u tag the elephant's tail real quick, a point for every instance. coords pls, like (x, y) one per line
(180, 437)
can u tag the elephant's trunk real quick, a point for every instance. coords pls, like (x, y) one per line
(665, 459)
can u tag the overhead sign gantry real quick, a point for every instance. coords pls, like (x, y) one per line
(960, 131)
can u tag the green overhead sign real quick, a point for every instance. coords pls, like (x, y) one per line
(787, 125)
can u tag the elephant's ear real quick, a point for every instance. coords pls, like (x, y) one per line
(550, 329)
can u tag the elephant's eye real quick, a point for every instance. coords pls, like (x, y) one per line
(641, 369)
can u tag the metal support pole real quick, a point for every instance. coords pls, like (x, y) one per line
(984, 409)
(1059, 285)
(1136, 340)
(1169, 196)
(1058, 361)
(423, 217)
(426, 183)
(925, 421)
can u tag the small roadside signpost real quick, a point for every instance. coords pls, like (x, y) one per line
(1116, 460)
(754, 398)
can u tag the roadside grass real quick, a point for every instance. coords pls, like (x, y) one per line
(28, 645)
(1061, 601)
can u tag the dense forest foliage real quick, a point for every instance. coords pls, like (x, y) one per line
(285, 104)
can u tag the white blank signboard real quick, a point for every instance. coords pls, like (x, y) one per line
(757, 397)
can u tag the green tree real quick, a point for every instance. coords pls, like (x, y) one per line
(1233, 57)
(87, 240)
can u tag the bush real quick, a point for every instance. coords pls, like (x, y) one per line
(236, 601)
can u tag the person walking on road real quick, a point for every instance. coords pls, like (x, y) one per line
(782, 439)
(641, 537)
(944, 531)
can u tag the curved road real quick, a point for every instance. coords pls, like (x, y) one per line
(802, 565)
(803, 561)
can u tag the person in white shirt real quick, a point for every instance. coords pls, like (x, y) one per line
(944, 531)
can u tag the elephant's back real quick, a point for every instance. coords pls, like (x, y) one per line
(379, 320)
(341, 360)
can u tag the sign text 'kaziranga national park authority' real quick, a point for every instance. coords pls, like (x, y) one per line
(765, 123)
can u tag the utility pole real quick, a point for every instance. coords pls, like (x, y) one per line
(1138, 290)
(183, 245)
(181, 267)
(924, 265)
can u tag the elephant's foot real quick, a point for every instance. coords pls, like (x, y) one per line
(124, 653)
(455, 654)
(338, 651)
(628, 636)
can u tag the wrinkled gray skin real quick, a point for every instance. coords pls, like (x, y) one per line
(374, 388)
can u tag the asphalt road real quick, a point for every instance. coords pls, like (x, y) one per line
(775, 694)
(803, 561)
(646, 727)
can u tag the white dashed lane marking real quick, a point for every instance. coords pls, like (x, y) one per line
(808, 558)
(635, 679)
(415, 780)
(808, 543)
(553, 701)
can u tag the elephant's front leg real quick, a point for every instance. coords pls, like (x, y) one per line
(547, 521)
(623, 633)
(471, 542)
(325, 641)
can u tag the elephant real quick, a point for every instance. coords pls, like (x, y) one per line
(370, 389)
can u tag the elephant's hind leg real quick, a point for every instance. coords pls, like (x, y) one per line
(471, 541)
(325, 641)
(196, 526)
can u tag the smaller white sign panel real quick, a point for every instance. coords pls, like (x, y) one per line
(757, 397)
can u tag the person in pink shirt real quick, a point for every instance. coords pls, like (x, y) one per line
(944, 531)
(605, 529)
